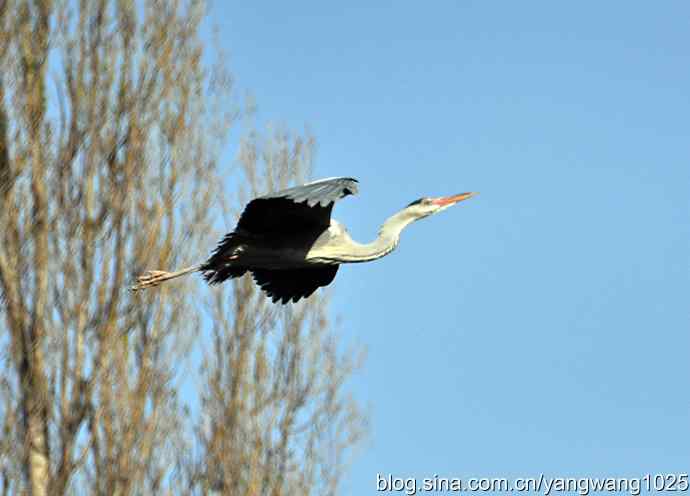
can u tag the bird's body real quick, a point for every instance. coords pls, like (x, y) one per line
(304, 249)
(290, 244)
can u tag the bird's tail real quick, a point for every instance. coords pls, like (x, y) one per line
(224, 261)
(153, 278)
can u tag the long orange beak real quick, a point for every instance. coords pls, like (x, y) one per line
(452, 200)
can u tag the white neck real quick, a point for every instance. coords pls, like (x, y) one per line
(386, 242)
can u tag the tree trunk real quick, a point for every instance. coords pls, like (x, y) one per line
(34, 412)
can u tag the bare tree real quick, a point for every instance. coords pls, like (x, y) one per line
(104, 130)
(110, 126)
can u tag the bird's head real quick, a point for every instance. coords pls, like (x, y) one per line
(427, 206)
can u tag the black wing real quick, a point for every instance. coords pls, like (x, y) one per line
(302, 212)
(291, 210)
(293, 284)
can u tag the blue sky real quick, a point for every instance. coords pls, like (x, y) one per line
(542, 326)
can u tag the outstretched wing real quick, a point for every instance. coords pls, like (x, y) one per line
(293, 284)
(301, 207)
(301, 213)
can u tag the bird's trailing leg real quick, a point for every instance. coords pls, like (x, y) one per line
(154, 277)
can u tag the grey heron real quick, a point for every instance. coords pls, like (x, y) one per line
(290, 244)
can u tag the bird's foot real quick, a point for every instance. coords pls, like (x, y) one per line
(150, 280)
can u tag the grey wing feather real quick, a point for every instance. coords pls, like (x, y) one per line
(323, 191)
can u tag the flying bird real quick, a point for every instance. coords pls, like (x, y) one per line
(290, 244)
